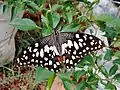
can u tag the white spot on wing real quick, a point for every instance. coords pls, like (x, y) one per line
(77, 36)
(64, 46)
(91, 43)
(71, 62)
(45, 58)
(80, 44)
(24, 52)
(73, 57)
(26, 57)
(87, 48)
(70, 44)
(36, 61)
(18, 60)
(84, 50)
(55, 65)
(29, 48)
(35, 50)
(91, 37)
(32, 60)
(81, 40)
(50, 62)
(76, 45)
(74, 52)
(46, 48)
(36, 44)
(41, 53)
(37, 54)
(67, 61)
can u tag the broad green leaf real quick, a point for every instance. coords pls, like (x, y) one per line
(110, 32)
(117, 54)
(24, 24)
(93, 87)
(55, 19)
(49, 17)
(108, 55)
(47, 31)
(80, 86)
(117, 77)
(45, 20)
(31, 4)
(64, 76)
(43, 74)
(110, 86)
(71, 28)
(78, 74)
(40, 2)
(89, 59)
(50, 82)
(67, 85)
(69, 16)
(93, 79)
(105, 17)
(56, 7)
(115, 22)
(116, 61)
(104, 71)
(113, 70)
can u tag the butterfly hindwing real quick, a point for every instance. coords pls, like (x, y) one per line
(40, 54)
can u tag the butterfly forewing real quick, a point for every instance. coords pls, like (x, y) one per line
(60, 50)
(79, 46)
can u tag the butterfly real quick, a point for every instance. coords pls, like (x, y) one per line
(59, 50)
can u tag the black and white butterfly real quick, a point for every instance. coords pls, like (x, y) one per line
(59, 50)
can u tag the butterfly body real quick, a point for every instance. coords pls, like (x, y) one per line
(59, 50)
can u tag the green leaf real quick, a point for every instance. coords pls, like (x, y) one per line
(50, 82)
(43, 74)
(69, 16)
(113, 70)
(93, 80)
(110, 86)
(56, 7)
(24, 24)
(49, 17)
(33, 5)
(110, 32)
(55, 19)
(117, 77)
(64, 76)
(105, 17)
(71, 28)
(47, 31)
(104, 71)
(116, 61)
(117, 54)
(115, 22)
(78, 74)
(80, 86)
(108, 55)
(93, 87)
(67, 85)
(45, 20)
